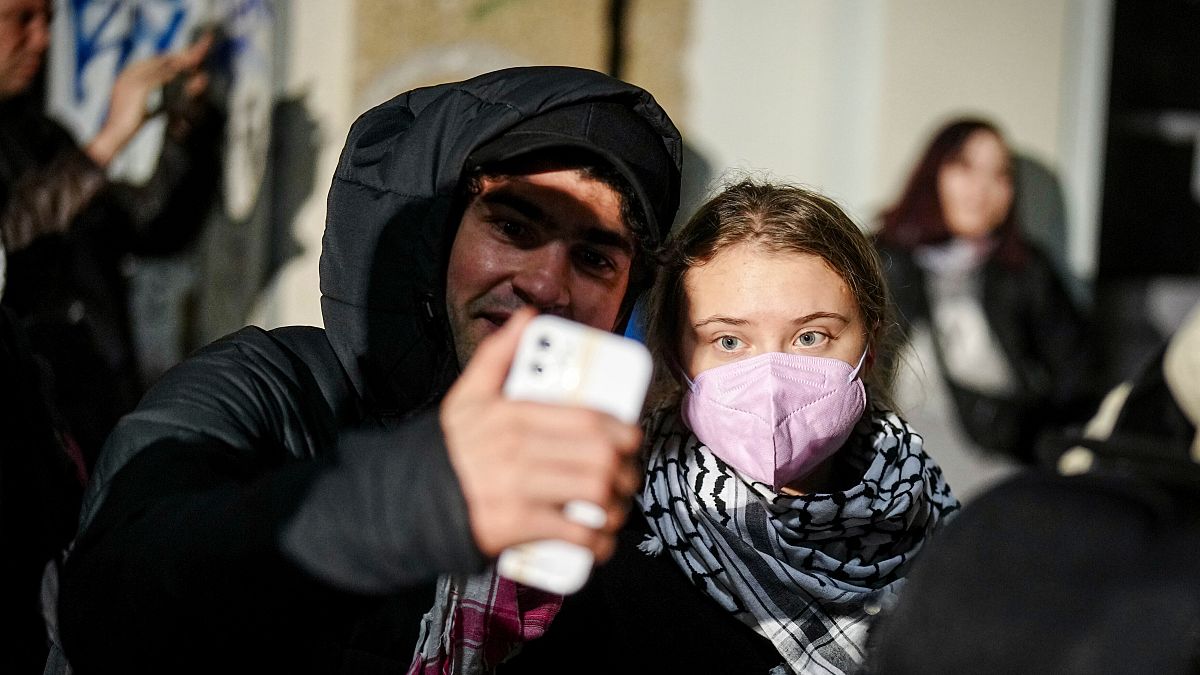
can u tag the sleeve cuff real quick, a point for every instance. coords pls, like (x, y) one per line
(387, 513)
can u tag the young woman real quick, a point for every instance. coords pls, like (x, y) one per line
(783, 503)
(1000, 345)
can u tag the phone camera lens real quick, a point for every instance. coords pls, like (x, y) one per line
(544, 342)
(537, 368)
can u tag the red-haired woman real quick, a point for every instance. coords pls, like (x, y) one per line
(998, 343)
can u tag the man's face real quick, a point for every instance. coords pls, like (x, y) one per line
(554, 240)
(24, 37)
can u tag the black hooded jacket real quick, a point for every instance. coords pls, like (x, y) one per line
(282, 501)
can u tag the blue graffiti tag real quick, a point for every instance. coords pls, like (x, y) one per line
(91, 41)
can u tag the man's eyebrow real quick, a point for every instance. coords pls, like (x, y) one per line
(603, 237)
(529, 209)
(526, 207)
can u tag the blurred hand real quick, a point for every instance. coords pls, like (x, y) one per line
(128, 108)
(520, 462)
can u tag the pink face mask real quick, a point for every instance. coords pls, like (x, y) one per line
(775, 416)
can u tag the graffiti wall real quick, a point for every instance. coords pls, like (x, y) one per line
(91, 42)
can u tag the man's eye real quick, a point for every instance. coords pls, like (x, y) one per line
(810, 338)
(511, 230)
(728, 342)
(595, 260)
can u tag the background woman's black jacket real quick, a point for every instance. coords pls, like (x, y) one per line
(1043, 336)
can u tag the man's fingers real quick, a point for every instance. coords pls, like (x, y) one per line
(586, 513)
(535, 524)
(521, 463)
(607, 520)
(564, 422)
(488, 367)
(629, 480)
(559, 484)
(555, 525)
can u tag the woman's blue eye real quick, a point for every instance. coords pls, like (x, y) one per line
(809, 339)
(729, 343)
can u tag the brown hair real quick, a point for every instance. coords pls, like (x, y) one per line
(779, 218)
(916, 217)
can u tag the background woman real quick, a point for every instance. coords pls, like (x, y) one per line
(999, 351)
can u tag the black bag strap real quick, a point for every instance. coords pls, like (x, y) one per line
(1151, 436)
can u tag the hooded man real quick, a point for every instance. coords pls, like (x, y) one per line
(283, 500)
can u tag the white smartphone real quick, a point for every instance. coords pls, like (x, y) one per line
(561, 361)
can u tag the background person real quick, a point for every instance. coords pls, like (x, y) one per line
(41, 483)
(999, 351)
(283, 500)
(65, 229)
(1094, 550)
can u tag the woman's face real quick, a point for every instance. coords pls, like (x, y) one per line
(747, 301)
(976, 188)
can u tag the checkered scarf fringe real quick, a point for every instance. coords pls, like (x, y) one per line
(806, 572)
(478, 621)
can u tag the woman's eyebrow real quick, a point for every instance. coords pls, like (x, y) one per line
(821, 315)
(716, 318)
(733, 321)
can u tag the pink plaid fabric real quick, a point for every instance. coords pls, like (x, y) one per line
(489, 616)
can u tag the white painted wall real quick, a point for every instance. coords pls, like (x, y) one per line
(790, 88)
(318, 66)
(843, 94)
(999, 59)
(836, 94)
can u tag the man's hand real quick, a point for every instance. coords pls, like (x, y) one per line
(520, 462)
(128, 107)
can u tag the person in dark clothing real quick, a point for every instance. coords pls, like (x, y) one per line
(283, 500)
(1086, 563)
(987, 315)
(41, 485)
(65, 229)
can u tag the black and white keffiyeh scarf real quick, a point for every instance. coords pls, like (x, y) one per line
(806, 572)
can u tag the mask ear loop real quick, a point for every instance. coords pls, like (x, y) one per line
(861, 359)
(679, 369)
(690, 382)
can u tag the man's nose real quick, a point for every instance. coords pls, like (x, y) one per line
(542, 280)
